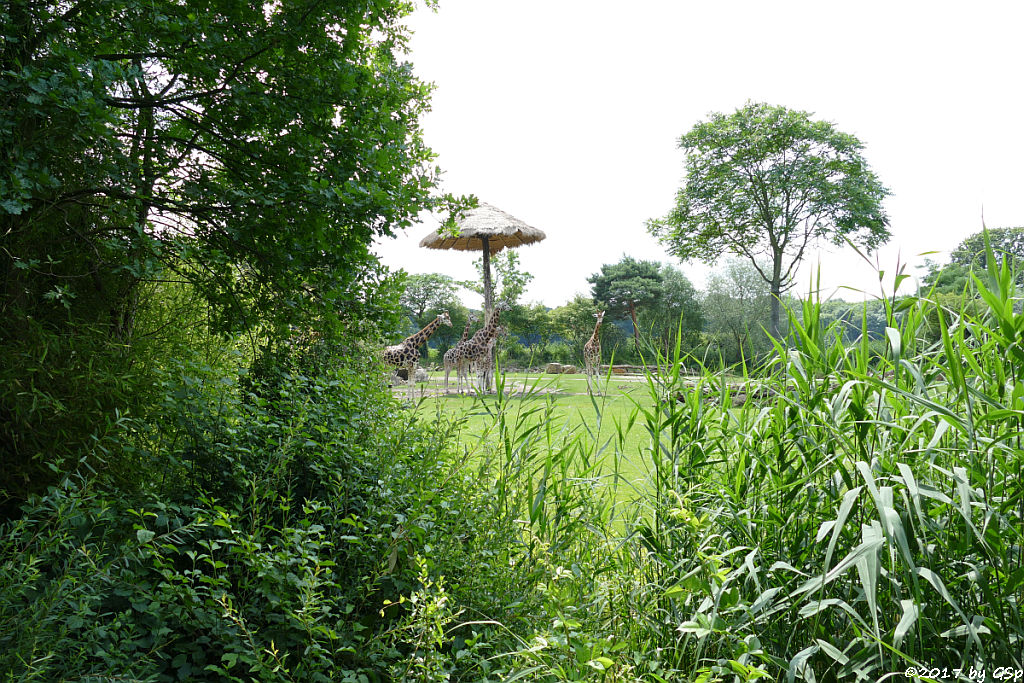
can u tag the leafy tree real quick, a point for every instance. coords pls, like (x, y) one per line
(574, 321)
(623, 287)
(737, 309)
(853, 316)
(248, 152)
(425, 296)
(970, 255)
(255, 151)
(949, 278)
(1006, 243)
(531, 323)
(508, 278)
(679, 304)
(766, 183)
(429, 292)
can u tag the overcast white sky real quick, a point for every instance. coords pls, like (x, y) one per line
(566, 114)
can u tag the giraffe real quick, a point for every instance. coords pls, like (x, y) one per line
(472, 350)
(485, 365)
(449, 355)
(592, 355)
(407, 354)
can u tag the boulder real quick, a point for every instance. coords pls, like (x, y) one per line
(569, 370)
(553, 368)
(422, 375)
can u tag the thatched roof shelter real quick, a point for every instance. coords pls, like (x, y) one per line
(489, 230)
(485, 223)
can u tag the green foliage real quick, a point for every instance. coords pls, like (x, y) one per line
(62, 386)
(625, 287)
(737, 307)
(678, 310)
(951, 278)
(246, 154)
(186, 131)
(532, 324)
(574, 321)
(1005, 244)
(766, 182)
(274, 538)
(970, 255)
(509, 279)
(426, 292)
(426, 295)
(853, 511)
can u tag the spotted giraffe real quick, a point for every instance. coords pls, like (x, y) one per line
(449, 355)
(485, 365)
(472, 350)
(407, 354)
(592, 355)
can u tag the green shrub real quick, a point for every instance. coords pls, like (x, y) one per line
(275, 522)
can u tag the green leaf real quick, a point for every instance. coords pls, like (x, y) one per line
(911, 610)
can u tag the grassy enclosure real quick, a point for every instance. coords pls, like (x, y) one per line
(859, 514)
(862, 516)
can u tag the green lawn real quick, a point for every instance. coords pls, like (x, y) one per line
(563, 404)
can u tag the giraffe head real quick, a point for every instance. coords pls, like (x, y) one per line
(444, 319)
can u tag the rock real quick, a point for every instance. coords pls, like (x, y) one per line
(569, 370)
(422, 375)
(553, 368)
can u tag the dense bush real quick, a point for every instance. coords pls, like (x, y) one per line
(276, 520)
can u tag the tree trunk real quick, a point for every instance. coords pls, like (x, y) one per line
(636, 332)
(776, 294)
(776, 311)
(488, 300)
(488, 295)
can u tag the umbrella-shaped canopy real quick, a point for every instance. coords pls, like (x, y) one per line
(489, 230)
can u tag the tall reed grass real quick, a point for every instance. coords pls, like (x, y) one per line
(857, 515)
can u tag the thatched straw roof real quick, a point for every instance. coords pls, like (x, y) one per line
(500, 229)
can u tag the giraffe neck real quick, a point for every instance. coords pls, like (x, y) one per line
(488, 331)
(465, 332)
(597, 328)
(491, 329)
(423, 335)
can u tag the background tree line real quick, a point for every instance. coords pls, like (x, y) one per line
(648, 304)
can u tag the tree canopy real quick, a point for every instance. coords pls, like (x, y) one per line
(574, 320)
(970, 255)
(253, 150)
(200, 167)
(622, 287)
(766, 183)
(429, 292)
(678, 309)
(509, 278)
(1007, 243)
